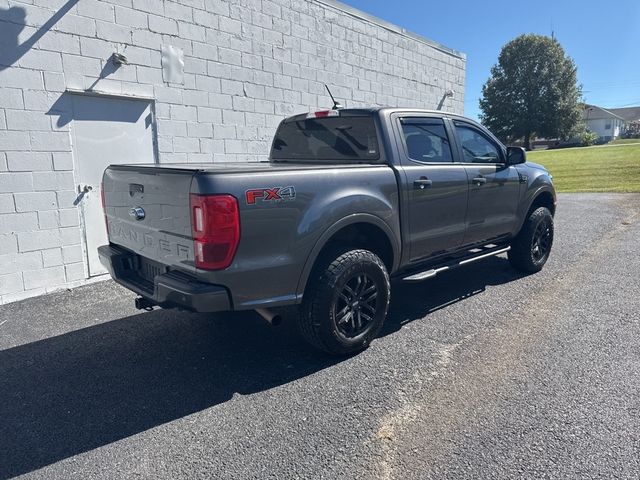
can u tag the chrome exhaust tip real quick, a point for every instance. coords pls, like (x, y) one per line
(273, 318)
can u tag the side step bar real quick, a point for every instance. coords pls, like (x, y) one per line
(417, 277)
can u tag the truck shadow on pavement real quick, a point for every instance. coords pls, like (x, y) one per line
(74, 392)
(414, 301)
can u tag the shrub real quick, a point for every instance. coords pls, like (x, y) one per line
(588, 138)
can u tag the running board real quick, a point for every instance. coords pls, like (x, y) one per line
(417, 277)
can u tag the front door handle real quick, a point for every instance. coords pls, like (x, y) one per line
(422, 182)
(479, 180)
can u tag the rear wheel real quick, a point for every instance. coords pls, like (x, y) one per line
(531, 248)
(346, 303)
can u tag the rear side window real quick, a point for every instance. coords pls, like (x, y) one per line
(426, 139)
(330, 138)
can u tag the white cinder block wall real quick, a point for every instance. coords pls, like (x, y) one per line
(248, 63)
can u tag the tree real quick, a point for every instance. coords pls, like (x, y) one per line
(532, 90)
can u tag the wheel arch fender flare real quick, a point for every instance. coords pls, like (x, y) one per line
(326, 236)
(532, 199)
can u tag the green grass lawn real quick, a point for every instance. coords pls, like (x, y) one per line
(614, 168)
(622, 141)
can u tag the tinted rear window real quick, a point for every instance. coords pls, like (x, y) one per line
(331, 138)
(426, 139)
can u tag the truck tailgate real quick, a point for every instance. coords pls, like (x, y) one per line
(147, 211)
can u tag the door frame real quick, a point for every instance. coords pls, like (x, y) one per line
(123, 96)
(76, 161)
(499, 166)
(403, 160)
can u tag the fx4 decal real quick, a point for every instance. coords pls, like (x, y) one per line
(269, 194)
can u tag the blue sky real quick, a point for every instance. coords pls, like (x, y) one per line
(603, 38)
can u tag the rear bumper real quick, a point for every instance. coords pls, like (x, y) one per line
(168, 290)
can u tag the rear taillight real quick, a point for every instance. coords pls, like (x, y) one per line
(215, 224)
(104, 210)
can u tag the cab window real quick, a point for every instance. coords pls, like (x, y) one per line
(426, 139)
(476, 147)
(326, 139)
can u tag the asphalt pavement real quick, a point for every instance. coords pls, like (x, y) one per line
(478, 373)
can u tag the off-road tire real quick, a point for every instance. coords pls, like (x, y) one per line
(319, 321)
(523, 255)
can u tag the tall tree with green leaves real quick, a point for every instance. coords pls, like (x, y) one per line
(532, 91)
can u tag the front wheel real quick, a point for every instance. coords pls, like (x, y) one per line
(531, 248)
(346, 303)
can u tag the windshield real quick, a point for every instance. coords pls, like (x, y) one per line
(332, 138)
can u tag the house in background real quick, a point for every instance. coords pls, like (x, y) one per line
(631, 116)
(605, 123)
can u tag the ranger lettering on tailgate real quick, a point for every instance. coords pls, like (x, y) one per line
(133, 238)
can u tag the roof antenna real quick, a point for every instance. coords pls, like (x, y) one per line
(336, 105)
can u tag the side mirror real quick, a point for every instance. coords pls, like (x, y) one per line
(516, 155)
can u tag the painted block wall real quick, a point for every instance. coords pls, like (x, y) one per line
(247, 64)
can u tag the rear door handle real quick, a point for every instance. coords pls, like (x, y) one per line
(479, 180)
(422, 182)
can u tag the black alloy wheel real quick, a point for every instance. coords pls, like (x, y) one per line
(541, 244)
(346, 301)
(531, 248)
(355, 305)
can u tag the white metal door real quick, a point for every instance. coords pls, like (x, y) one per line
(106, 130)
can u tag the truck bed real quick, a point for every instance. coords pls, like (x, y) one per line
(243, 167)
(277, 233)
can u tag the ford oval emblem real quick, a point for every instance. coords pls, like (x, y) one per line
(137, 213)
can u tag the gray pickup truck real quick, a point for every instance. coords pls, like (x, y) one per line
(348, 199)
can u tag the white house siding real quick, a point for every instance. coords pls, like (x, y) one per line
(247, 64)
(598, 125)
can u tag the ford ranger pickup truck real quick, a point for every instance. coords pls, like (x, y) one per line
(348, 199)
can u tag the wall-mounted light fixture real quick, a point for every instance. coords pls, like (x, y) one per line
(119, 58)
(447, 94)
